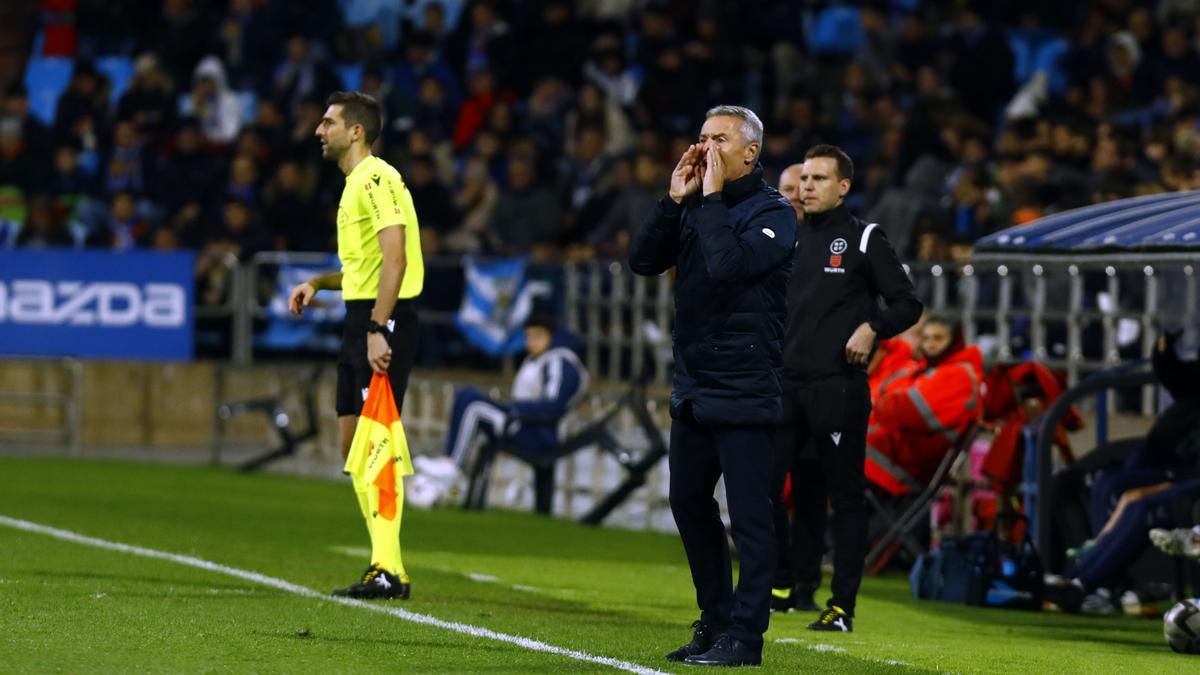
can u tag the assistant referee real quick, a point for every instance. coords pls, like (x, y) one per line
(379, 244)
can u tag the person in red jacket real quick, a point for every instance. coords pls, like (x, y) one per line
(921, 411)
(892, 355)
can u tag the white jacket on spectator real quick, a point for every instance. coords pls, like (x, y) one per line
(221, 115)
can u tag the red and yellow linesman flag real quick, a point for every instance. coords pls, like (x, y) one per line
(379, 452)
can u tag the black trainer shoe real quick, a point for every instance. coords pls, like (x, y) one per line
(802, 600)
(377, 583)
(702, 639)
(727, 651)
(833, 619)
(781, 600)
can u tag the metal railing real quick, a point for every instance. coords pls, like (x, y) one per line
(1068, 312)
(1077, 314)
(1024, 300)
(622, 317)
(65, 397)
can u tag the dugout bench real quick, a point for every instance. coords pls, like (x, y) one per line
(598, 433)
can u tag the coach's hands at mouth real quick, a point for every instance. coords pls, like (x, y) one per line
(301, 295)
(858, 347)
(379, 353)
(714, 171)
(685, 179)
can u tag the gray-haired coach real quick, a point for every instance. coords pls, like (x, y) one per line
(730, 237)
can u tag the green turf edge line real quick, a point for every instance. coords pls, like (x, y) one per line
(474, 631)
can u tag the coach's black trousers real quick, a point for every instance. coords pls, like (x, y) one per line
(701, 454)
(822, 445)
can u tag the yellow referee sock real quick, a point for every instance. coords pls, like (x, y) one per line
(384, 532)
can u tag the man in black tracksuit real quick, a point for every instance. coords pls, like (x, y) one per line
(730, 238)
(840, 269)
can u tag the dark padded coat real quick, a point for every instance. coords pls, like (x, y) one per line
(732, 255)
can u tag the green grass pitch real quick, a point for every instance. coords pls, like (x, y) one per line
(69, 607)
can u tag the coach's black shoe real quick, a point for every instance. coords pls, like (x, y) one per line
(727, 651)
(781, 600)
(377, 584)
(833, 619)
(702, 639)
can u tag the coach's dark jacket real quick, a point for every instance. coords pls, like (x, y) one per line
(732, 256)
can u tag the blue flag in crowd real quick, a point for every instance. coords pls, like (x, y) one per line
(285, 331)
(496, 303)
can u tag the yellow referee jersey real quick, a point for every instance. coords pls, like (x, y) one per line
(375, 198)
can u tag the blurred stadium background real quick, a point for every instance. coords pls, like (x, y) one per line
(159, 177)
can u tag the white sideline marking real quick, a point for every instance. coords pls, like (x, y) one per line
(827, 648)
(361, 552)
(839, 650)
(474, 631)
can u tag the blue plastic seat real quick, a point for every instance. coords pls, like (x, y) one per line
(46, 78)
(837, 31)
(249, 101)
(119, 70)
(351, 75)
(1047, 59)
(1022, 47)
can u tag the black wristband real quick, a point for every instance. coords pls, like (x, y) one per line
(713, 197)
(376, 327)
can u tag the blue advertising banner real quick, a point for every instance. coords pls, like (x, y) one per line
(96, 304)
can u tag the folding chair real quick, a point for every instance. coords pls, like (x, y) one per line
(903, 518)
(597, 433)
(272, 408)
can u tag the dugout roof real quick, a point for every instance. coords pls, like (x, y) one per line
(1153, 223)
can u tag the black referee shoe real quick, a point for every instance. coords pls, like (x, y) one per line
(702, 639)
(377, 584)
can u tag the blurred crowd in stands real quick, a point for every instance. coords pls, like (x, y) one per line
(550, 126)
